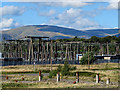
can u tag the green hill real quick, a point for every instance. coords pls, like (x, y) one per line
(55, 32)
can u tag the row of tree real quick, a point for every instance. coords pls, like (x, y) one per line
(94, 39)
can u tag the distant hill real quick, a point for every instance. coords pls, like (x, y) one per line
(55, 32)
(118, 35)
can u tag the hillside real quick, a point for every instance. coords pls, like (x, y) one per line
(55, 32)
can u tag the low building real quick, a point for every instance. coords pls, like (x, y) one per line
(79, 56)
(107, 57)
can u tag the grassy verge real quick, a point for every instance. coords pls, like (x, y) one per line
(16, 85)
(26, 72)
(86, 75)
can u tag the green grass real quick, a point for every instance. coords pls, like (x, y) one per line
(105, 69)
(86, 74)
(26, 72)
(16, 85)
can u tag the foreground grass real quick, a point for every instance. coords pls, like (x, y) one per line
(17, 85)
(105, 70)
(56, 85)
(30, 68)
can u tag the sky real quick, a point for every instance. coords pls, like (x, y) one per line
(77, 15)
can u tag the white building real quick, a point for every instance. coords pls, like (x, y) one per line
(79, 56)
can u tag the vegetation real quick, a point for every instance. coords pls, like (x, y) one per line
(16, 85)
(87, 77)
(94, 39)
(84, 59)
(65, 70)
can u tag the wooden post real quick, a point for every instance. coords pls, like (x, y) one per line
(40, 78)
(70, 52)
(117, 49)
(88, 58)
(74, 52)
(39, 48)
(28, 43)
(66, 52)
(42, 52)
(77, 77)
(108, 81)
(32, 50)
(101, 49)
(61, 51)
(55, 51)
(21, 50)
(107, 49)
(79, 48)
(77, 45)
(58, 77)
(51, 55)
(97, 78)
(17, 49)
(47, 51)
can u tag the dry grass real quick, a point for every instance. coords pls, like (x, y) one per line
(66, 85)
(110, 70)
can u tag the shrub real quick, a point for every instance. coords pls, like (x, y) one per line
(63, 70)
(52, 73)
(73, 68)
(59, 68)
(84, 59)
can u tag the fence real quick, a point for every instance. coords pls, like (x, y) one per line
(7, 63)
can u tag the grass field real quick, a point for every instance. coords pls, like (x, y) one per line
(87, 77)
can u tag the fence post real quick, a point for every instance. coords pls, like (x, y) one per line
(58, 77)
(97, 78)
(108, 81)
(40, 78)
(77, 77)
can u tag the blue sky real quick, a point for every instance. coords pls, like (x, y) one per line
(81, 16)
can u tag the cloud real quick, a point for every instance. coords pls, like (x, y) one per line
(113, 4)
(63, 3)
(8, 23)
(12, 10)
(49, 13)
(73, 18)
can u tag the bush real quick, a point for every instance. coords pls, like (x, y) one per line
(63, 70)
(59, 68)
(84, 59)
(52, 73)
(73, 68)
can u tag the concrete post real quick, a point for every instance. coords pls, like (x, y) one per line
(34, 66)
(40, 78)
(97, 78)
(108, 81)
(58, 77)
(77, 77)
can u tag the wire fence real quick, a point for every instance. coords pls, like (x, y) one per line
(8, 63)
